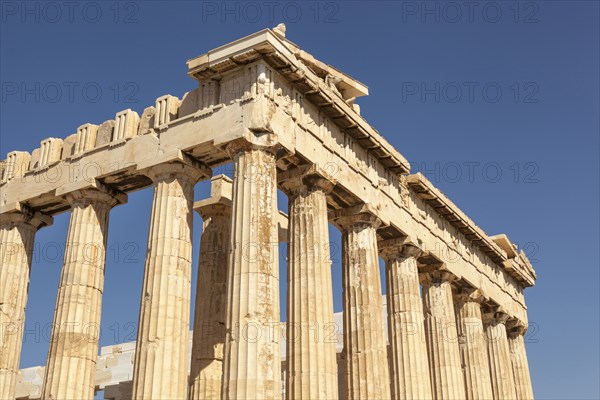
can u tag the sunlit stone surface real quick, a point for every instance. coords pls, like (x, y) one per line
(287, 121)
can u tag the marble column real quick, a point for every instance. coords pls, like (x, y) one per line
(501, 371)
(441, 334)
(211, 293)
(520, 366)
(409, 374)
(365, 349)
(252, 363)
(17, 234)
(71, 366)
(311, 354)
(161, 357)
(472, 343)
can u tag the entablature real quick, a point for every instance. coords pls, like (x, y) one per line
(201, 125)
(498, 247)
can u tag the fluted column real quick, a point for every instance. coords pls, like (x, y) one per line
(17, 233)
(365, 349)
(211, 294)
(501, 371)
(71, 366)
(473, 346)
(520, 366)
(441, 334)
(252, 363)
(409, 374)
(161, 357)
(311, 354)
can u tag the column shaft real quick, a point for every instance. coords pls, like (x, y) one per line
(161, 357)
(71, 366)
(441, 334)
(252, 364)
(311, 353)
(17, 233)
(409, 372)
(501, 371)
(473, 347)
(520, 366)
(211, 299)
(367, 371)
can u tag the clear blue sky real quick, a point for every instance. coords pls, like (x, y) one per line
(506, 90)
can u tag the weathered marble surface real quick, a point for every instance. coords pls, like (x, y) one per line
(271, 108)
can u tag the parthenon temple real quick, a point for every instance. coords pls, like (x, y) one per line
(452, 321)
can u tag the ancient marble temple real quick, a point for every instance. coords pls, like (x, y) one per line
(450, 326)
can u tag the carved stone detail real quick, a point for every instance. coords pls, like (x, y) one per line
(86, 138)
(166, 110)
(126, 125)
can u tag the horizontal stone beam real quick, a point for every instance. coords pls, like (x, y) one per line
(123, 166)
(306, 133)
(401, 209)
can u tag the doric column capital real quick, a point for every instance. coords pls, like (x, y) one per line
(174, 170)
(265, 141)
(494, 316)
(515, 327)
(83, 193)
(398, 249)
(220, 200)
(469, 295)
(436, 274)
(174, 163)
(306, 179)
(25, 215)
(356, 216)
(83, 197)
(213, 209)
